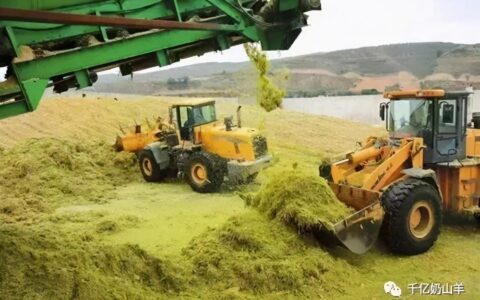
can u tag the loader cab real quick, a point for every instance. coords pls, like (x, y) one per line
(439, 117)
(188, 115)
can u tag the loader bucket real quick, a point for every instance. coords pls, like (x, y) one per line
(359, 231)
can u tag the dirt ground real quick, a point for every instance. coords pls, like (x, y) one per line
(155, 241)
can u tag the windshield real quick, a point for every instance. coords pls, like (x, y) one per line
(203, 114)
(409, 118)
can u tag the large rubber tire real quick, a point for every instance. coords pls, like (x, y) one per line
(150, 169)
(205, 172)
(413, 216)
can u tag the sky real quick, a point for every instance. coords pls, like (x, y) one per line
(346, 24)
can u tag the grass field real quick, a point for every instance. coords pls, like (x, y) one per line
(154, 241)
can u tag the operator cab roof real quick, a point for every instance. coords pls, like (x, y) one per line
(425, 94)
(193, 102)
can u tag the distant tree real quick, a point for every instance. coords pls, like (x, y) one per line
(439, 53)
(171, 81)
(369, 92)
(342, 93)
(178, 83)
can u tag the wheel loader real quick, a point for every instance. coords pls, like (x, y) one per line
(195, 145)
(401, 185)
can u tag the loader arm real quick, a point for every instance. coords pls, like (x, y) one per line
(381, 164)
(359, 180)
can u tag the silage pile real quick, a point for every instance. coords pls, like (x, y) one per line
(39, 174)
(298, 199)
(246, 258)
(251, 256)
(255, 254)
(269, 96)
(43, 263)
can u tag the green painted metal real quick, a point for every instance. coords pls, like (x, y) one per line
(83, 79)
(230, 10)
(33, 90)
(13, 39)
(30, 33)
(9, 91)
(11, 109)
(68, 55)
(162, 57)
(107, 53)
(44, 4)
(177, 10)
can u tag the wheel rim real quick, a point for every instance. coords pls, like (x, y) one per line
(147, 167)
(199, 173)
(421, 219)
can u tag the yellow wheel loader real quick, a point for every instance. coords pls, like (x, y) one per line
(401, 185)
(195, 145)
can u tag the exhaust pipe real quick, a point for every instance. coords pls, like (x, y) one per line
(239, 119)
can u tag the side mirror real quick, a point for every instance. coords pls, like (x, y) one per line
(383, 109)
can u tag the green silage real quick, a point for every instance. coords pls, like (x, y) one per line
(256, 256)
(40, 174)
(41, 263)
(269, 96)
(298, 199)
(76, 252)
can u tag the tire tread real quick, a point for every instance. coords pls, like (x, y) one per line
(394, 201)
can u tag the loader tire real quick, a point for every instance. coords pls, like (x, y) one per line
(413, 216)
(149, 167)
(205, 172)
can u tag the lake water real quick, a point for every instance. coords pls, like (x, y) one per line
(356, 108)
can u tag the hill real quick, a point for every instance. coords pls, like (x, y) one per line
(362, 70)
(460, 61)
(418, 59)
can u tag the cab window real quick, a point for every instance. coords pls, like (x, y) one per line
(204, 114)
(197, 115)
(183, 116)
(447, 116)
(410, 118)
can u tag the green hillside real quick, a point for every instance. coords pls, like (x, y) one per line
(419, 59)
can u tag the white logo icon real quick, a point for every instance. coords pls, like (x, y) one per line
(391, 288)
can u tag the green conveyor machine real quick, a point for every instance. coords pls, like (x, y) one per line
(64, 43)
